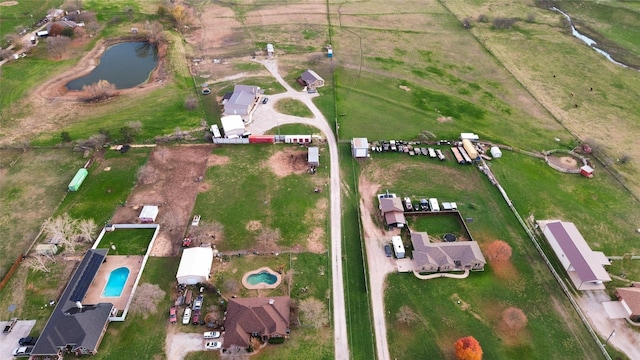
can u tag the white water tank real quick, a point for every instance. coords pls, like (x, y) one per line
(496, 152)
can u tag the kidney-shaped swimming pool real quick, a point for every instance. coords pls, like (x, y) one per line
(115, 284)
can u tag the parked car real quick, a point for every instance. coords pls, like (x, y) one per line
(265, 100)
(387, 250)
(424, 205)
(197, 304)
(213, 345)
(28, 340)
(196, 317)
(187, 316)
(211, 334)
(407, 204)
(23, 351)
(172, 315)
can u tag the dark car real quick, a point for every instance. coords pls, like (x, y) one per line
(29, 340)
(265, 100)
(387, 250)
(424, 205)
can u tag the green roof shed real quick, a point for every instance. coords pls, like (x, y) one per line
(74, 185)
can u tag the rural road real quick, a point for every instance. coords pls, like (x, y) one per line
(265, 118)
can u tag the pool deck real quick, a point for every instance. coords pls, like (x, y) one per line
(94, 295)
(261, 286)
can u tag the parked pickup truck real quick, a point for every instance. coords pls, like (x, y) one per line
(9, 327)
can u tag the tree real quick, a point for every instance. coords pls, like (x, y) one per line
(57, 45)
(501, 23)
(406, 315)
(180, 15)
(79, 32)
(5, 54)
(99, 90)
(65, 136)
(129, 11)
(498, 250)
(86, 230)
(468, 348)
(314, 312)
(60, 230)
(513, 319)
(56, 29)
(155, 32)
(146, 299)
(191, 102)
(39, 263)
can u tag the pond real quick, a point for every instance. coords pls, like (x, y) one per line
(125, 65)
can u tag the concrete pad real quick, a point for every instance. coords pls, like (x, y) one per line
(615, 310)
(8, 342)
(405, 265)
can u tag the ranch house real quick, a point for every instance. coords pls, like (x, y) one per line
(263, 318)
(446, 256)
(311, 80)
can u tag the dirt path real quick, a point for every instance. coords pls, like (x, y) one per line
(268, 118)
(625, 339)
(379, 265)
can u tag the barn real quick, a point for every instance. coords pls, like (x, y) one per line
(195, 265)
(233, 126)
(311, 80)
(360, 147)
(148, 214)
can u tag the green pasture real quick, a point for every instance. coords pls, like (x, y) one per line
(24, 14)
(246, 189)
(32, 185)
(127, 241)
(293, 129)
(293, 107)
(102, 191)
(528, 286)
(138, 337)
(437, 226)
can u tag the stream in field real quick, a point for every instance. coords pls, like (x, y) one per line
(587, 40)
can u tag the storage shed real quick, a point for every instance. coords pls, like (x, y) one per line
(233, 126)
(270, 49)
(148, 214)
(360, 147)
(398, 246)
(496, 152)
(586, 171)
(313, 156)
(46, 249)
(78, 179)
(195, 265)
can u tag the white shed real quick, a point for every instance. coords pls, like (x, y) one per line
(496, 152)
(195, 265)
(360, 147)
(148, 214)
(233, 126)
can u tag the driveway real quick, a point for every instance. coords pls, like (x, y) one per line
(178, 344)
(265, 118)
(8, 342)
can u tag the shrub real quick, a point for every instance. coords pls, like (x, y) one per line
(483, 18)
(276, 340)
(191, 103)
(503, 23)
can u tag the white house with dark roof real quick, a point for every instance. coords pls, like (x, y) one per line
(584, 266)
(242, 100)
(445, 256)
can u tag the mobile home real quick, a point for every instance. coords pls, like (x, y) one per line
(398, 247)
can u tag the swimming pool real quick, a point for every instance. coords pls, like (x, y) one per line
(115, 284)
(262, 277)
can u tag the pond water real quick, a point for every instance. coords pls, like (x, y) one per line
(125, 65)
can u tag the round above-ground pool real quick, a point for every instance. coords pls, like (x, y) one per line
(263, 278)
(115, 284)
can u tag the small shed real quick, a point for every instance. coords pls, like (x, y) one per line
(360, 147)
(46, 249)
(311, 80)
(330, 53)
(269, 49)
(313, 156)
(496, 152)
(586, 171)
(78, 179)
(148, 214)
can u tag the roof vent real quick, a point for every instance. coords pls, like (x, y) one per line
(78, 304)
(271, 301)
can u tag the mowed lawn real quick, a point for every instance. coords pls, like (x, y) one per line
(246, 189)
(553, 328)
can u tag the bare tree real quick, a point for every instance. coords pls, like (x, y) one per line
(155, 34)
(15, 40)
(86, 230)
(268, 237)
(406, 315)
(314, 312)
(5, 54)
(99, 91)
(513, 319)
(498, 250)
(146, 299)
(39, 263)
(191, 102)
(59, 229)
(57, 45)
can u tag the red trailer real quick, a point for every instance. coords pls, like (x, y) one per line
(261, 139)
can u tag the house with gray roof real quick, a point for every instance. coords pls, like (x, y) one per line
(392, 211)
(261, 318)
(311, 80)
(445, 256)
(584, 266)
(242, 100)
(74, 327)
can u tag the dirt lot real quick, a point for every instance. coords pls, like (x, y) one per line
(171, 180)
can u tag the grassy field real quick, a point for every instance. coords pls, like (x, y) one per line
(32, 185)
(293, 107)
(525, 284)
(286, 203)
(127, 241)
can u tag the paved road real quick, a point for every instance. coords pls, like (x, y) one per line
(265, 118)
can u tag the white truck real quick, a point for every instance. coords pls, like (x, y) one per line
(433, 204)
